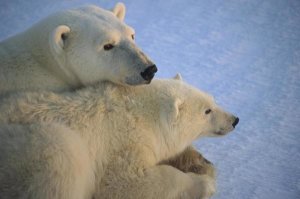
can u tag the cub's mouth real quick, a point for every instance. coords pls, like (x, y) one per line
(223, 131)
(220, 133)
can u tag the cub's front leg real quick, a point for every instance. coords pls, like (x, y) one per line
(157, 182)
(190, 160)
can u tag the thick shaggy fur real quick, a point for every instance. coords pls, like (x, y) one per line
(67, 51)
(107, 141)
(190, 160)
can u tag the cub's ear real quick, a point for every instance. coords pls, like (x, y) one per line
(58, 38)
(170, 112)
(174, 110)
(177, 105)
(178, 77)
(119, 11)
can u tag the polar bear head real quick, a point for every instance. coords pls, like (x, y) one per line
(192, 113)
(90, 44)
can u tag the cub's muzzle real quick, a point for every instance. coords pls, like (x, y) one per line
(236, 121)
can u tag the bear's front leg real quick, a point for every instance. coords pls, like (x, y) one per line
(190, 160)
(157, 182)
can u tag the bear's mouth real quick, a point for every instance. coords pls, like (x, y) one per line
(137, 80)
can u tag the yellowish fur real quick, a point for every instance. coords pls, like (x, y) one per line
(125, 131)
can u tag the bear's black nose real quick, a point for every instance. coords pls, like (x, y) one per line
(236, 121)
(149, 72)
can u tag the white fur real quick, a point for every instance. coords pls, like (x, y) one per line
(119, 134)
(66, 51)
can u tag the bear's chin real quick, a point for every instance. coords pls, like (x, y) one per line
(137, 81)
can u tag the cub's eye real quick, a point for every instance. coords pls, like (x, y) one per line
(64, 36)
(132, 36)
(207, 111)
(108, 46)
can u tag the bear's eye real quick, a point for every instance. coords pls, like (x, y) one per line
(207, 111)
(108, 46)
(132, 36)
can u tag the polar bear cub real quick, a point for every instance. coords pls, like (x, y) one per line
(72, 49)
(106, 141)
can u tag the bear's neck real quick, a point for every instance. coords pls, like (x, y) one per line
(169, 146)
(37, 40)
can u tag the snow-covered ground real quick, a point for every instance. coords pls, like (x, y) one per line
(245, 52)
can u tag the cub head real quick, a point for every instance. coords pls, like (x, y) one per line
(194, 114)
(91, 44)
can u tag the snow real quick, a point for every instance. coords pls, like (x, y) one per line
(245, 53)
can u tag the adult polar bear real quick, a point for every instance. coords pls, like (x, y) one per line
(106, 140)
(71, 49)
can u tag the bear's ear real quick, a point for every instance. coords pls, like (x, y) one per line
(119, 11)
(58, 38)
(178, 77)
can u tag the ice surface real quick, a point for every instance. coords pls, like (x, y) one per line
(246, 53)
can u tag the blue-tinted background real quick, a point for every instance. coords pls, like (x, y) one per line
(244, 52)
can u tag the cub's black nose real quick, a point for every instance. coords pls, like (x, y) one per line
(236, 121)
(149, 72)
